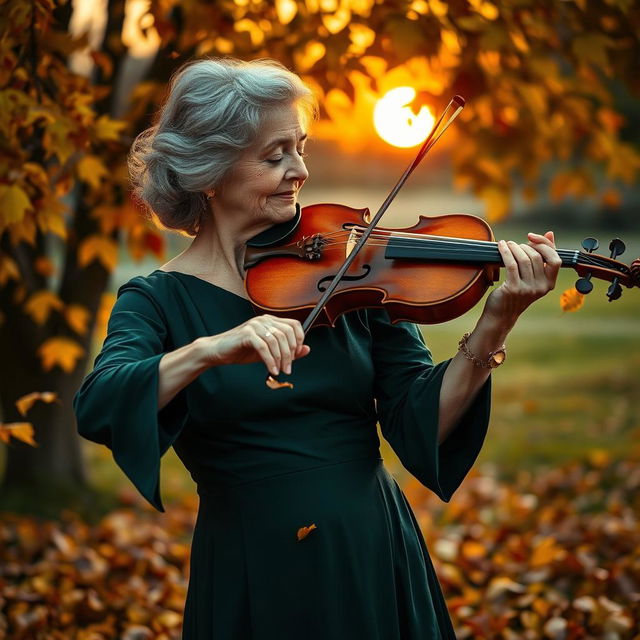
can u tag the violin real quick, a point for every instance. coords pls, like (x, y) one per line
(431, 272)
(335, 259)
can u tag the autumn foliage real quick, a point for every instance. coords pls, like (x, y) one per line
(552, 556)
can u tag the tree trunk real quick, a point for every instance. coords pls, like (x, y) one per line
(57, 460)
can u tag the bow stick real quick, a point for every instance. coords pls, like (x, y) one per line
(454, 107)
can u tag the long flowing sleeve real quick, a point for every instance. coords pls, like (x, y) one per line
(407, 390)
(117, 403)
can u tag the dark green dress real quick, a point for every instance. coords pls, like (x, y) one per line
(269, 462)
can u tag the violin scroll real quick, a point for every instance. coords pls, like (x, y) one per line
(589, 264)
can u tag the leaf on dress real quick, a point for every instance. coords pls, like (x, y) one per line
(303, 532)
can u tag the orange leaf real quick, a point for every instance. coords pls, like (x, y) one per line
(44, 266)
(77, 318)
(8, 270)
(97, 247)
(40, 304)
(303, 532)
(546, 552)
(19, 430)
(60, 351)
(571, 300)
(25, 403)
(472, 549)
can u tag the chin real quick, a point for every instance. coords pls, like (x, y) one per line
(285, 213)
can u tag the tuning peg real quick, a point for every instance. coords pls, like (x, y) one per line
(584, 285)
(614, 291)
(617, 247)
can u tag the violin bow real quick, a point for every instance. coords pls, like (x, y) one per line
(452, 111)
(454, 107)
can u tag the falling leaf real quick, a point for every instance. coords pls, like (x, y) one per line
(24, 403)
(63, 352)
(571, 300)
(303, 532)
(19, 430)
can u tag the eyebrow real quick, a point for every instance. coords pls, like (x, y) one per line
(283, 141)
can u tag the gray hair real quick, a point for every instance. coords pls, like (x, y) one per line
(213, 112)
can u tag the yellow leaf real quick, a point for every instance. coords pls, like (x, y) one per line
(24, 232)
(497, 201)
(91, 170)
(8, 269)
(63, 352)
(57, 140)
(108, 129)
(25, 403)
(14, 203)
(97, 247)
(40, 304)
(545, 552)
(77, 318)
(19, 430)
(51, 217)
(303, 532)
(571, 300)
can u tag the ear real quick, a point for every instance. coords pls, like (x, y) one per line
(210, 194)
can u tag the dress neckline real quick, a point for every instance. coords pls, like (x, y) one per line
(215, 286)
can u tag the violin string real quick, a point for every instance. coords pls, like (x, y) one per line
(453, 253)
(490, 251)
(441, 242)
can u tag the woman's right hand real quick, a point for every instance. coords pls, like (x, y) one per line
(275, 341)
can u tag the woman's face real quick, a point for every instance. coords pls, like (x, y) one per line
(262, 187)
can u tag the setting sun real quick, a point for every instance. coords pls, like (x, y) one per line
(395, 121)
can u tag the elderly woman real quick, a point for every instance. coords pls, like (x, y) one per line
(183, 365)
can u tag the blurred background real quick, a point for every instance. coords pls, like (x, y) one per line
(542, 539)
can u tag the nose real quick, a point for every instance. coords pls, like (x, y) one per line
(298, 170)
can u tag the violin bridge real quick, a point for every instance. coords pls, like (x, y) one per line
(351, 242)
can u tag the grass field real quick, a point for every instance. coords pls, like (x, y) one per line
(567, 390)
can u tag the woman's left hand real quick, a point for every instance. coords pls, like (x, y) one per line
(532, 270)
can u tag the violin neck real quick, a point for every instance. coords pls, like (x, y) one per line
(458, 250)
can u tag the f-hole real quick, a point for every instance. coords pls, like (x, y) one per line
(327, 279)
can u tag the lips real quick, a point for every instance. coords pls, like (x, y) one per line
(285, 193)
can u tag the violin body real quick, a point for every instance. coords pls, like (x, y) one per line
(288, 280)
